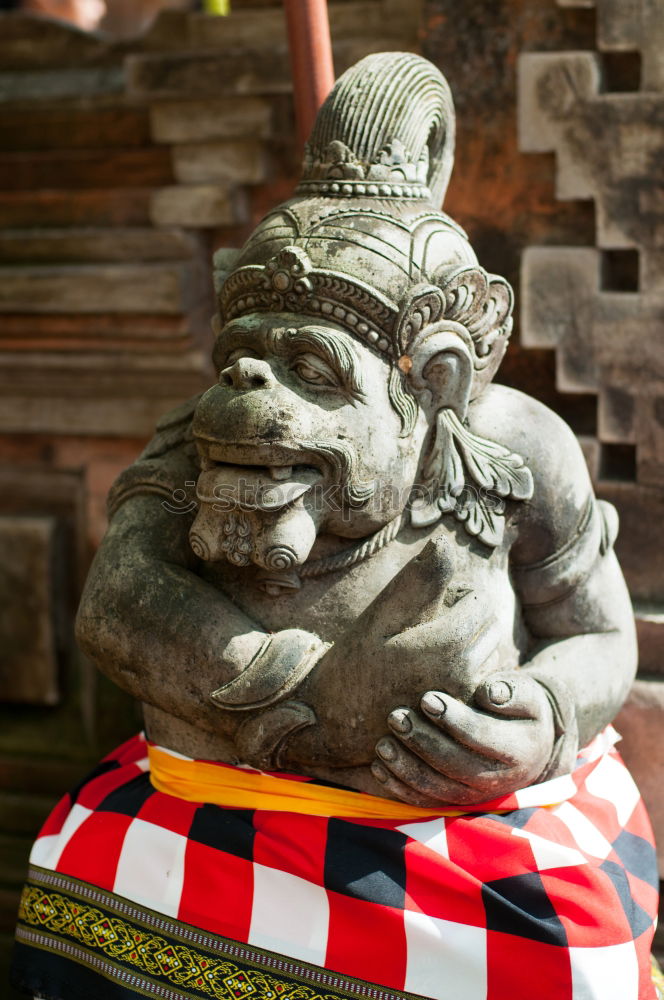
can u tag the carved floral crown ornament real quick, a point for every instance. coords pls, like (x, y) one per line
(364, 245)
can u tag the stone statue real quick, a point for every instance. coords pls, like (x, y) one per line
(354, 556)
(371, 607)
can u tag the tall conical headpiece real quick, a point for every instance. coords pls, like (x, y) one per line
(386, 130)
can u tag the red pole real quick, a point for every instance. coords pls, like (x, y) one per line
(311, 59)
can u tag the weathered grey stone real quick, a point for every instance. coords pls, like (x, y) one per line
(197, 121)
(237, 162)
(193, 75)
(333, 619)
(197, 205)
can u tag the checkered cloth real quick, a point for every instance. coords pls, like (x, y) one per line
(554, 899)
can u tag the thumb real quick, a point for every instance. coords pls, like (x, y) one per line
(512, 694)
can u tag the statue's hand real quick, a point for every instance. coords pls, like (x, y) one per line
(452, 752)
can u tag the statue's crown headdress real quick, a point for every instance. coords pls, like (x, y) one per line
(363, 241)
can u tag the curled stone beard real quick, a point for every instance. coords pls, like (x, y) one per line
(238, 534)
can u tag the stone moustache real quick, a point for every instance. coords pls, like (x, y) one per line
(354, 557)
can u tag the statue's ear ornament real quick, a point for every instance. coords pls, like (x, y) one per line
(470, 477)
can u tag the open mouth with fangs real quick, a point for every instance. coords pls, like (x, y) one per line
(253, 477)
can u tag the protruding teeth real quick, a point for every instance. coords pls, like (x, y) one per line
(281, 471)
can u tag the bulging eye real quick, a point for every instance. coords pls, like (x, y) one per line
(314, 371)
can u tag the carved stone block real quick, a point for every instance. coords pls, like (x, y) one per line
(237, 162)
(198, 121)
(28, 661)
(197, 205)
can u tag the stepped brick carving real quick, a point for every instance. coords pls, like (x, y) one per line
(601, 307)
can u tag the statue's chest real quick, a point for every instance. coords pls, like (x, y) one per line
(329, 603)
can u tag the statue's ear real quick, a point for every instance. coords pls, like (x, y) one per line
(440, 367)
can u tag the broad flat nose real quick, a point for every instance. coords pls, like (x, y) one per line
(247, 373)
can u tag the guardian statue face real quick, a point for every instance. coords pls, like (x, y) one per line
(355, 327)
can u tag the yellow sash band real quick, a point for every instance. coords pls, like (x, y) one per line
(224, 785)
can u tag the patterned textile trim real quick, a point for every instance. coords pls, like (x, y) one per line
(144, 953)
(657, 977)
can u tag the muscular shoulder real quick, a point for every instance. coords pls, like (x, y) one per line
(562, 489)
(168, 466)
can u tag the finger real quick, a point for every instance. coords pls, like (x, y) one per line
(515, 695)
(417, 778)
(440, 751)
(391, 787)
(490, 735)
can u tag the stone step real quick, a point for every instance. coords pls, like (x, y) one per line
(22, 815)
(231, 71)
(215, 118)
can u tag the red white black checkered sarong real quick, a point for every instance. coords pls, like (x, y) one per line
(133, 892)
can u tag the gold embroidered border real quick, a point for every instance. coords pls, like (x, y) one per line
(152, 954)
(78, 921)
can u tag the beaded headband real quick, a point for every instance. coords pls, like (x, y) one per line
(290, 283)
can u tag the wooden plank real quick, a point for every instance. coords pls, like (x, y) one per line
(73, 128)
(23, 814)
(89, 244)
(85, 168)
(14, 853)
(28, 655)
(150, 288)
(107, 207)
(94, 326)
